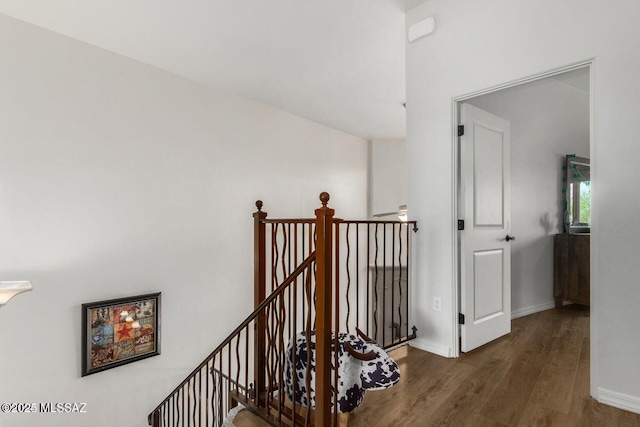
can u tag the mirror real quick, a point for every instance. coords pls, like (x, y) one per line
(577, 214)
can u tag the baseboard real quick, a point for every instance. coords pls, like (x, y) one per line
(521, 312)
(619, 400)
(425, 345)
(445, 351)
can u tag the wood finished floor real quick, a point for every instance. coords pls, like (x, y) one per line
(536, 376)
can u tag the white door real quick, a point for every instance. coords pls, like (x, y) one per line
(484, 205)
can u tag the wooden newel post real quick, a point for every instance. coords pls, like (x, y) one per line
(259, 295)
(324, 246)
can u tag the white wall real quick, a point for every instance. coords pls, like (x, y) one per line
(478, 45)
(119, 179)
(388, 174)
(549, 119)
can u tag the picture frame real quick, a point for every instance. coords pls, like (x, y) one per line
(120, 331)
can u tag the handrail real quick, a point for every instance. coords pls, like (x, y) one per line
(288, 220)
(378, 221)
(279, 290)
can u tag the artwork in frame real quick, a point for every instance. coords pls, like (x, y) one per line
(119, 331)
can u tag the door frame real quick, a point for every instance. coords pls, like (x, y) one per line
(455, 288)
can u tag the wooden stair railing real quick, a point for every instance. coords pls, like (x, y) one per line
(299, 265)
(224, 378)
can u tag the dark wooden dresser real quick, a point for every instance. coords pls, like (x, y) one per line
(571, 268)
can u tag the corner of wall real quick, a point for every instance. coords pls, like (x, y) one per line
(369, 178)
(430, 347)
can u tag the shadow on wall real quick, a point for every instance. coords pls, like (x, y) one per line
(547, 223)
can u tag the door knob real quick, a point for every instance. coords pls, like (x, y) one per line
(509, 238)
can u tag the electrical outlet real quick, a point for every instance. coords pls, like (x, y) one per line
(437, 303)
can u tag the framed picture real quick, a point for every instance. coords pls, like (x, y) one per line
(119, 331)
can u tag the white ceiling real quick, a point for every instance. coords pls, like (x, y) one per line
(337, 62)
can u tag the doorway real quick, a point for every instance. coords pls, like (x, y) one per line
(550, 117)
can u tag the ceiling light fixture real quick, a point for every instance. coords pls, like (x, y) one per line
(401, 213)
(9, 290)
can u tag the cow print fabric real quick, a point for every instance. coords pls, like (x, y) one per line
(355, 377)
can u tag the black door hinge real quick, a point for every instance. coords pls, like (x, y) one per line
(460, 130)
(461, 318)
(460, 224)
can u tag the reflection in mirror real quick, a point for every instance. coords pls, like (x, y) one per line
(578, 192)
